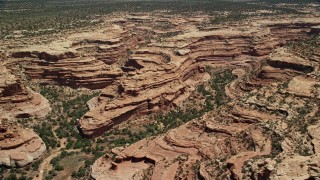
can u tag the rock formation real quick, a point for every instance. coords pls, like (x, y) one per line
(19, 146)
(141, 69)
(266, 106)
(158, 76)
(81, 60)
(18, 101)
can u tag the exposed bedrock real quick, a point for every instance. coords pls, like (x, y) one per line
(88, 60)
(141, 70)
(234, 141)
(282, 65)
(85, 72)
(19, 146)
(43, 55)
(315, 29)
(158, 76)
(291, 29)
(18, 101)
(177, 151)
(155, 86)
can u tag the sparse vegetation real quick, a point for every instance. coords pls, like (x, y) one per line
(307, 47)
(45, 132)
(40, 17)
(174, 118)
(67, 107)
(59, 131)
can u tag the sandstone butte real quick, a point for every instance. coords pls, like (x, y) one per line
(137, 80)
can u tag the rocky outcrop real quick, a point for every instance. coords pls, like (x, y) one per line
(135, 168)
(243, 137)
(177, 152)
(284, 60)
(18, 101)
(155, 83)
(76, 72)
(19, 146)
(80, 60)
(159, 75)
(290, 29)
(298, 167)
(291, 167)
(140, 69)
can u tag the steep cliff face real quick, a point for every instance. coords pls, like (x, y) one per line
(76, 72)
(153, 83)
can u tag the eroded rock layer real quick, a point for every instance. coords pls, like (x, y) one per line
(18, 101)
(142, 69)
(19, 146)
(163, 73)
(80, 60)
(261, 133)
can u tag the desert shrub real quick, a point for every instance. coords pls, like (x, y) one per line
(44, 130)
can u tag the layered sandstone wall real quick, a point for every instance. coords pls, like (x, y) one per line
(19, 146)
(141, 69)
(18, 101)
(159, 75)
(235, 135)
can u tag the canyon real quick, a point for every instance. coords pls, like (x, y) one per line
(238, 131)
(263, 126)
